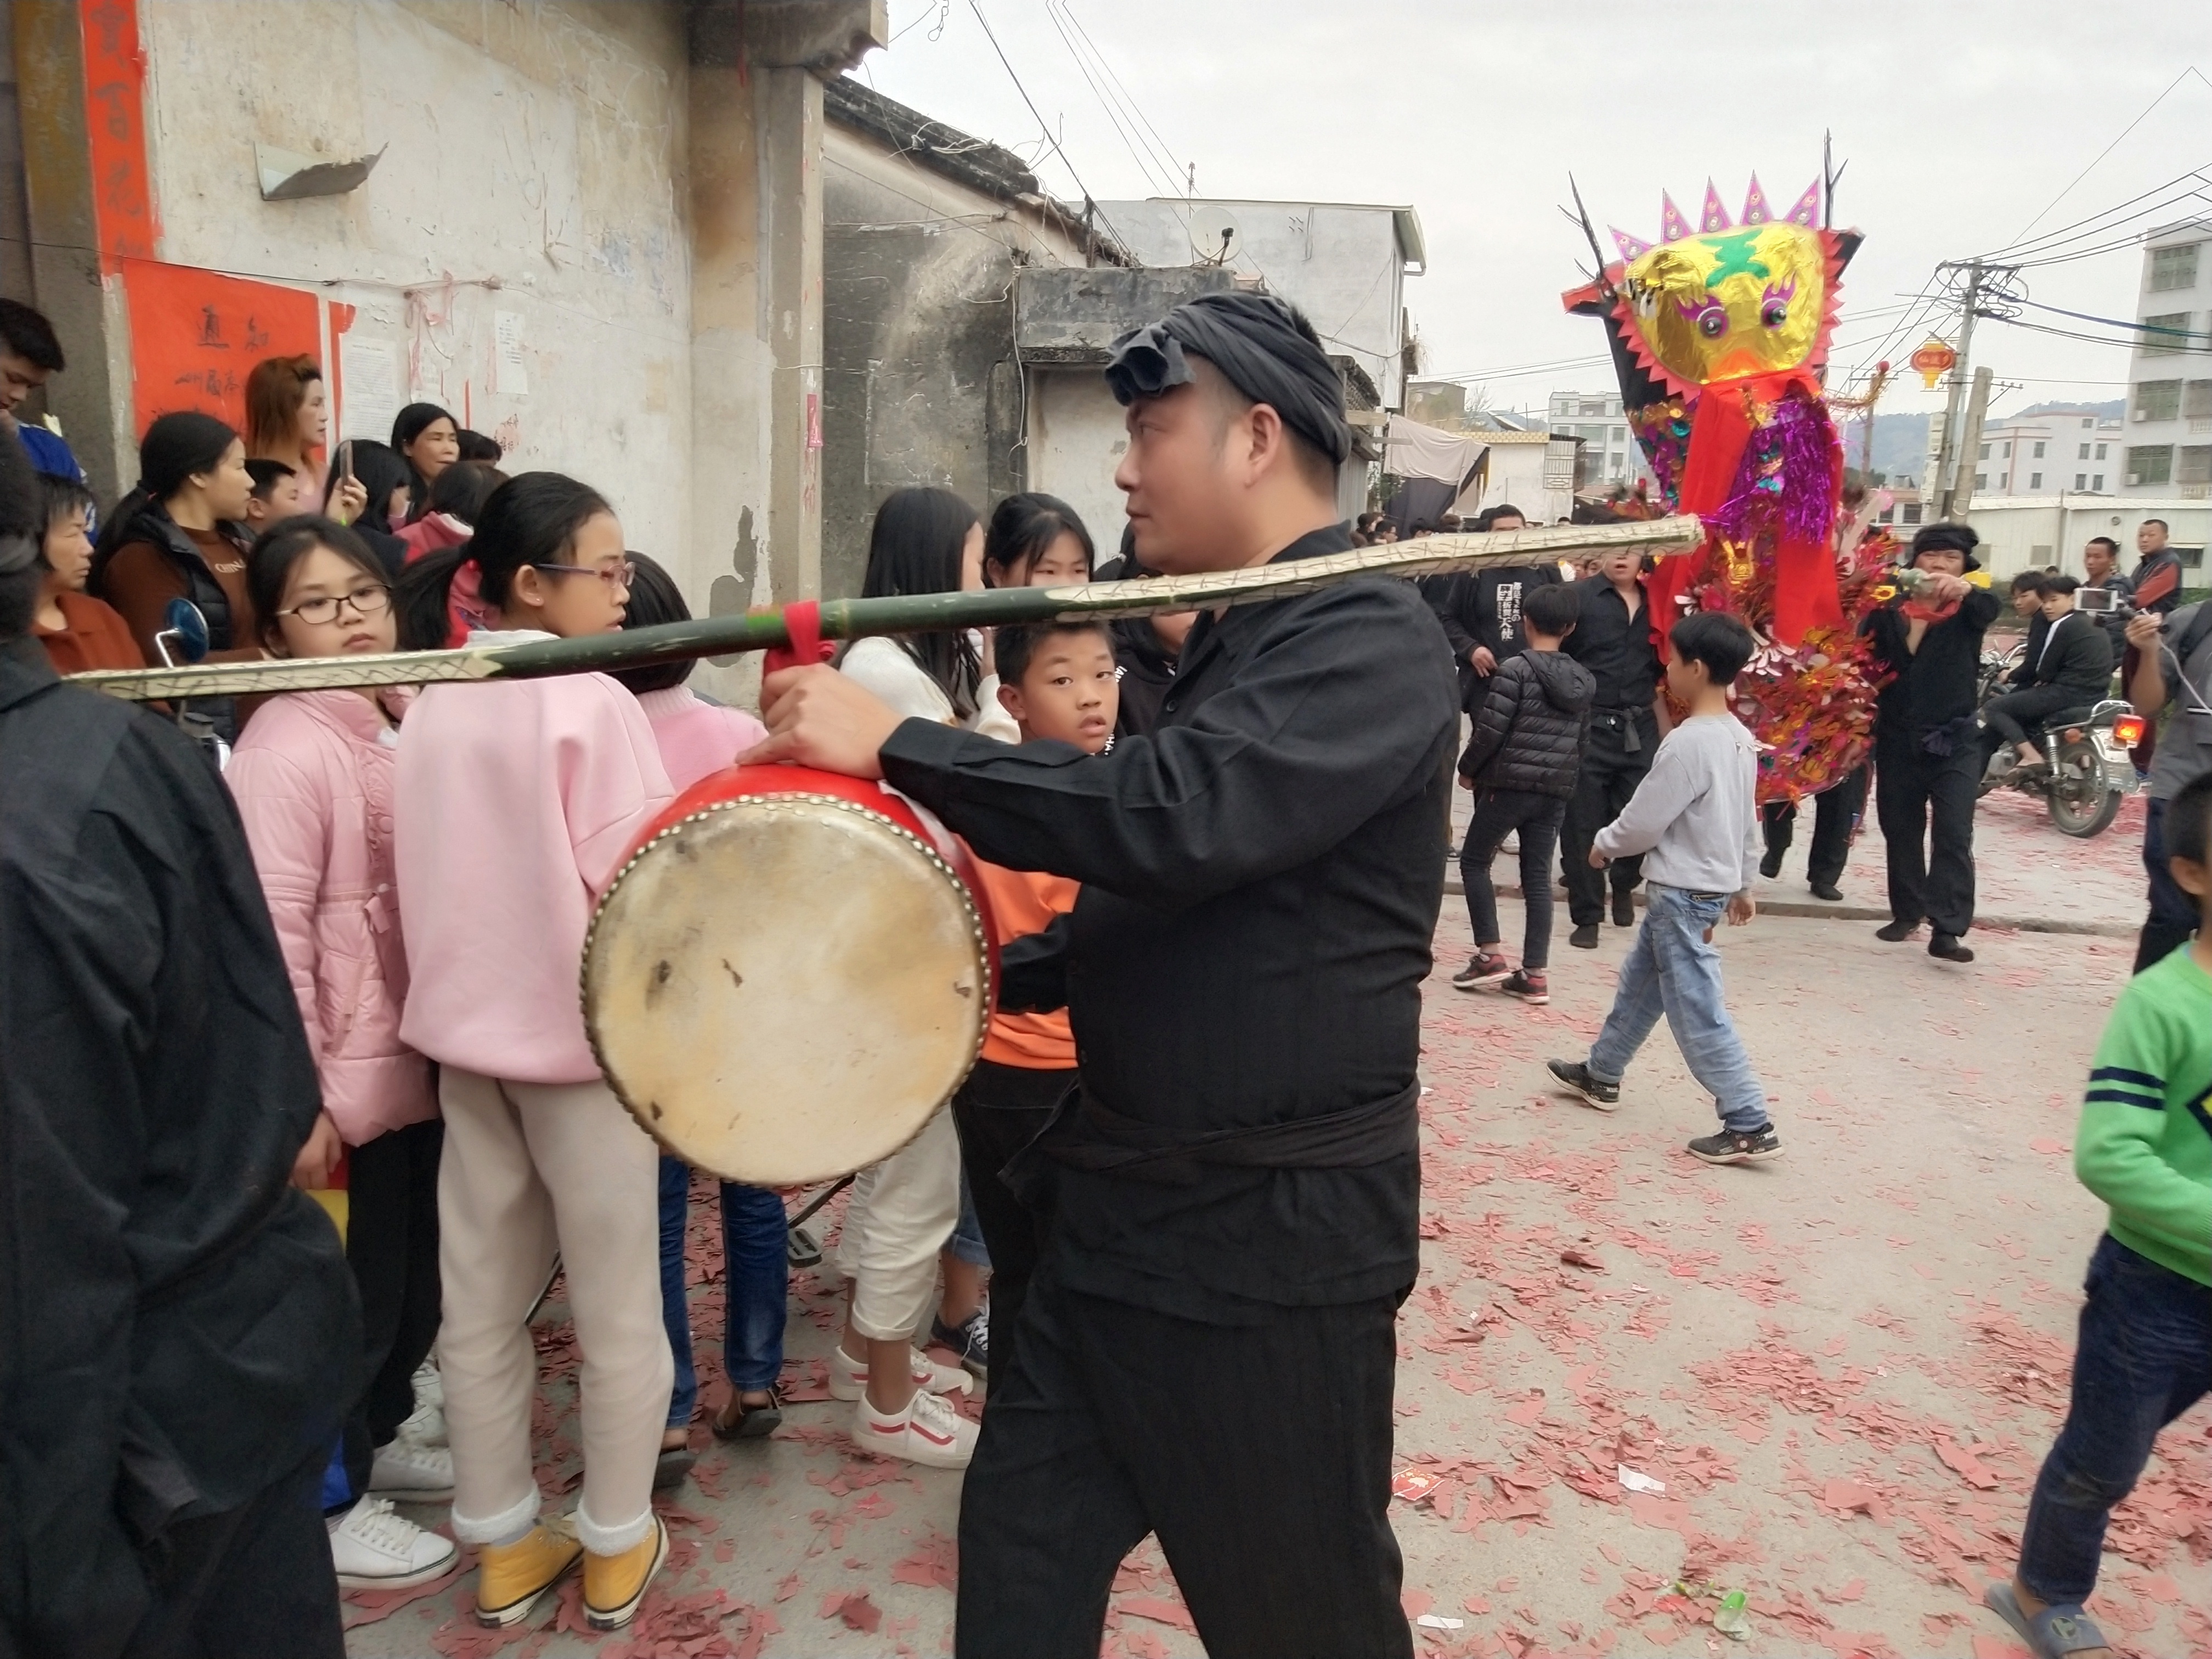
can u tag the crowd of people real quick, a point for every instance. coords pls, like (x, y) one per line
(344, 959)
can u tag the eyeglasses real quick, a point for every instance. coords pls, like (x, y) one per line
(369, 599)
(616, 576)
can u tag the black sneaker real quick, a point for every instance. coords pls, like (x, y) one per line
(971, 1340)
(1738, 1146)
(1606, 1097)
(1892, 933)
(1584, 937)
(1483, 970)
(1946, 947)
(1623, 907)
(1770, 865)
(1828, 890)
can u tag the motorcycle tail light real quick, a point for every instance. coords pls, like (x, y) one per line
(2128, 730)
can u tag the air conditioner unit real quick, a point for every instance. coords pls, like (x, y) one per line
(2133, 480)
(2142, 415)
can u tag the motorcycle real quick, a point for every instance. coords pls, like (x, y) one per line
(2086, 771)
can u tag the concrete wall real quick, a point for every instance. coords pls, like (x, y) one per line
(921, 385)
(2032, 533)
(533, 166)
(1342, 265)
(1076, 440)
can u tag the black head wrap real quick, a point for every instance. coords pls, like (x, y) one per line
(1948, 538)
(1262, 347)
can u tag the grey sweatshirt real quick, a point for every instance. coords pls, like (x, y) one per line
(1695, 817)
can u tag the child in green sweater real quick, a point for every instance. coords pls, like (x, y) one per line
(2144, 1355)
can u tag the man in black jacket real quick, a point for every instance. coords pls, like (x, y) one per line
(1480, 609)
(1207, 1351)
(179, 1332)
(1613, 639)
(2070, 666)
(1927, 762)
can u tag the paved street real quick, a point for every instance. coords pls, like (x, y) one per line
(1843, 1368)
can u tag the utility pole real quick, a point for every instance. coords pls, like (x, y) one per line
(1949, 458)
(1970, 444)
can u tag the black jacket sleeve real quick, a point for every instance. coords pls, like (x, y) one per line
(1451, 597)
(1494, 717)
(1334, 711)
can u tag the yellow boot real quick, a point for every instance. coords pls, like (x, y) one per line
(615, 1584)
(511, 1577)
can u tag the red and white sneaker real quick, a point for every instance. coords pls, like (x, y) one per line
(1532, 989)
(848, 1377)
(927, 1431)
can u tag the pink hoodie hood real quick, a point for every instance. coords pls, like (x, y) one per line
(697, 738)
(517, 801)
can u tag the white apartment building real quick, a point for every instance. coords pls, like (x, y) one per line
(2169, 425)
(1609, 455)
(2058, 451)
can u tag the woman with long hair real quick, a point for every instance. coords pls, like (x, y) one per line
(287, 417)
(516, 802)
(179, 535)
(429, 440)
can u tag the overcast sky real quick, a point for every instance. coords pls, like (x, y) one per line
(1962, 125)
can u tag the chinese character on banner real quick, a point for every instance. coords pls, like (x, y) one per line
(196, 336)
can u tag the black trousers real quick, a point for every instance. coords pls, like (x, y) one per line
(392, 1245)
(1259, 1455)
(1610, 772)
(255, 1580)
(997, 1111)
(1498, 813)
(1835, 810)
(2007, 719)
(1925, 804)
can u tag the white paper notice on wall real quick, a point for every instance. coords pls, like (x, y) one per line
(511, 375)
(369, 374)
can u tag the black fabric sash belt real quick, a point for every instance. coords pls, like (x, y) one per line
(1085, 1134)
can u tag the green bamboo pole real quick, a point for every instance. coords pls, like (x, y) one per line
(922, 613)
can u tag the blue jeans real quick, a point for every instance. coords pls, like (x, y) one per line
(967, 1242)
(1671, 969)
(2144, 1356)
(756, 1283)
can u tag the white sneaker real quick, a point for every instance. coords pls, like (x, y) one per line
(374, 1549)
(430, 1386)
(927, 1431)
(848, 1377)
(413, 1473)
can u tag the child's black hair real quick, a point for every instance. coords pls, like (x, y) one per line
(1715, 639)
(1016, 647)
(2059, 583)
(1551, 609)
(655, 599)
(531, 518)
(267, 475)
(2029, 581)
(476, 447)
(1022, 526)
(463, 488)
(2188, 828)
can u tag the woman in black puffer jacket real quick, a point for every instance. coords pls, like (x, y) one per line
(1521, 762)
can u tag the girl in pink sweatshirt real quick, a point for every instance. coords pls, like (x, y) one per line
(312, 778)
(517, 801)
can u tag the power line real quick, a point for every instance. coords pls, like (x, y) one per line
(1091, 202)
(1113, 116)
(2088, 226)
(1063, 14)
(2109, 149)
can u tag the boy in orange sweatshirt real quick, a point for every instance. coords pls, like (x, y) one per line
(1060, 683)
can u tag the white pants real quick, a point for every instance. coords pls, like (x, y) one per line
(529, 1168)
(901, 1213)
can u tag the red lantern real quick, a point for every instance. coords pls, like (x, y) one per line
(1934, 360)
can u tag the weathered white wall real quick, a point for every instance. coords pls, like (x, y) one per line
(534, 163)
(1342, 265)
(1076, 440)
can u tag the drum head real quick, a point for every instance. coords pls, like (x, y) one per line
(784, 988)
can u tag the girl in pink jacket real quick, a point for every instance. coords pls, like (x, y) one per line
(312, 778)
(517, 801)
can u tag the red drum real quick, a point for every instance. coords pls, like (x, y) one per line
(788, 977)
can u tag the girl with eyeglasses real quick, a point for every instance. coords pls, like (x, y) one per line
(516, 801)
(314, 777)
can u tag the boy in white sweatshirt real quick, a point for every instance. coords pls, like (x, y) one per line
(1695, 818)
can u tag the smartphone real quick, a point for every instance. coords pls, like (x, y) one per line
(345, 458)
(2104, 599)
